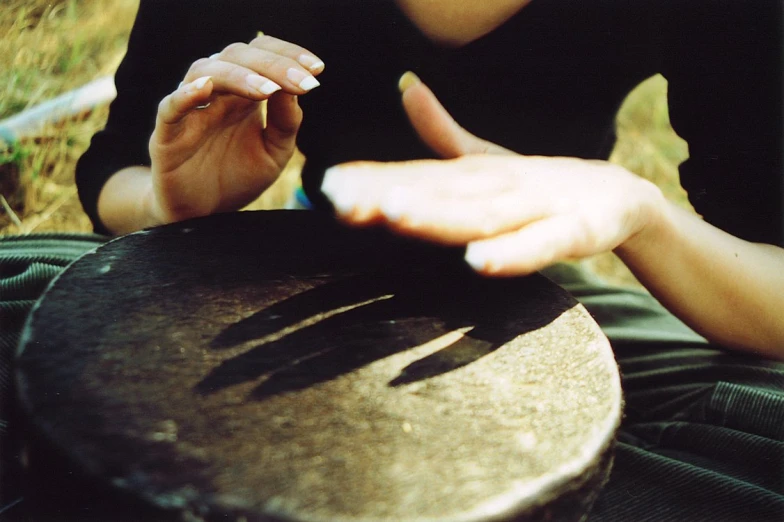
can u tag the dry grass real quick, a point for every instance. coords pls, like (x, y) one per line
(648, 146)
(51, 47)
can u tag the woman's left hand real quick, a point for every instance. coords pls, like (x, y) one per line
(516, 214)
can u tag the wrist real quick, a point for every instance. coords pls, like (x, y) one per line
(127, 201)
(152, 211)
(654, 218)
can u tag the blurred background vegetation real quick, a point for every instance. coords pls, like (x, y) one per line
(52, 47)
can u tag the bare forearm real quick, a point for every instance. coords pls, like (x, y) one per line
(126, 201)
(729, 290)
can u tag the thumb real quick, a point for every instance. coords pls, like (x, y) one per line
(435, 126)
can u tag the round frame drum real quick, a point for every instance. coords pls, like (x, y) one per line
(277, 366)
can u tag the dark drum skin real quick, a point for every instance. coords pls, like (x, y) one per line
(347, 375)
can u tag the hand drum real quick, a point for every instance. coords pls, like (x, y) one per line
(277, 366)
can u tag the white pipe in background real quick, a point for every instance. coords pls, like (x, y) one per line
(32, 121)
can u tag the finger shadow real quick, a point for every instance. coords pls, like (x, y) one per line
(498, 311)
(341, 326)
(319, 334)
(294, 310)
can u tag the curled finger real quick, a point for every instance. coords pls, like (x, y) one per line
(231, 78)
(286, 71)
(304, 57)
(284, 117)
(188, 96)
(531, 248)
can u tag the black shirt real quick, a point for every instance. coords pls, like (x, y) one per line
(548, 82)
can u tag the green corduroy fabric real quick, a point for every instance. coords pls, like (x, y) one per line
(702, 437)
(27, 265)
(703, 432)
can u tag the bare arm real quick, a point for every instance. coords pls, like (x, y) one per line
(518, 214)
(729, 290)
(126, 203)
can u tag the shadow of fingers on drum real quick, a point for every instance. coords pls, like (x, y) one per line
(341, 326)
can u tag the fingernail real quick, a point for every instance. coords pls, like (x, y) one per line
(330, 184)
(261, 84)
(310, 63)
(476, 256)
(331, 187)
(305, 82)
(344, 203)
(395, 204)
(195, 85)
(408, 79)
(199, 83)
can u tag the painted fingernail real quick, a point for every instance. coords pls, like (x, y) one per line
(408, 79)
(305, 82)
(330, 184)
(344, 203)
(310, 63)
(199, 83)
(476, 256)
(196, 85)
(261, 84)
(331, 187)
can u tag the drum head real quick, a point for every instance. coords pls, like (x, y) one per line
(277, 366)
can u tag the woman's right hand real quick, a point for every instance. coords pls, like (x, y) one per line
(221, 157)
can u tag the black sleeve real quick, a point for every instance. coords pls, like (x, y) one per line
(723, 61)
(168, 35)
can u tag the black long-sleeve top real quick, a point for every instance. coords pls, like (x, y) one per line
(548, 81)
